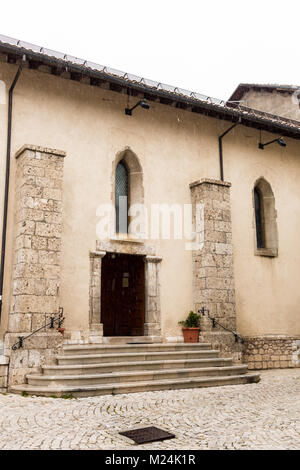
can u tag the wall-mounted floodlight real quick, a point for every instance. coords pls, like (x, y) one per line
(279, 141)
(142, 103)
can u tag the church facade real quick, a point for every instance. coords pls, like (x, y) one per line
(127, 203)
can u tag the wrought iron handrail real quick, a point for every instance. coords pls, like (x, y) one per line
(60, 319)
(215, 322)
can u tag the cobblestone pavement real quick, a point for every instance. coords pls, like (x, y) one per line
(255, 416)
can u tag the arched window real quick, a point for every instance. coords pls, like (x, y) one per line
(266, 239)
(128, 194)
(121, 197)
(259, 218)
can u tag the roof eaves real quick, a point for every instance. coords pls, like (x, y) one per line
(203, 103)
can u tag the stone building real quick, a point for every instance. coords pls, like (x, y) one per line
(282, 100)
(86, 148)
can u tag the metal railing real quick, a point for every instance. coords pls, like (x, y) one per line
(59, 320)
(205, 312)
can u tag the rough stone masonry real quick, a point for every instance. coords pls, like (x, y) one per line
(213, 277)
(36, 268)
(271, 352)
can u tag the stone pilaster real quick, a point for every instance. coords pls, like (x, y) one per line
(152, 326)
(213, 277)
(96, 327)
(37, 250)
(3, 373)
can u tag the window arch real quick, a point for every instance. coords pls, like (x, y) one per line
(127, 183)
(121, 197)
(266, 236)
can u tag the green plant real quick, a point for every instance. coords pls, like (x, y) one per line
(25, 394)
(67, 397)
(191, 321)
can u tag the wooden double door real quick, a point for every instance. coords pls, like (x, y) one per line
(123, 295)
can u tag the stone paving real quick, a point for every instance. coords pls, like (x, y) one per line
(255, 416)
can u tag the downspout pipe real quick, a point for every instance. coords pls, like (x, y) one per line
(221, 148)
(7, 174)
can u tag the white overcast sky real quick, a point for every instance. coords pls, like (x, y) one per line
(206, 46)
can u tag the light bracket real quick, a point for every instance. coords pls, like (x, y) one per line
(142, 103)
(280, 142)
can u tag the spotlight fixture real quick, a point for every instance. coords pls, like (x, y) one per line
(142, 103)
(279, 141)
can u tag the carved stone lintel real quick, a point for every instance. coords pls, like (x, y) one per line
(97, 254)
(125, 246)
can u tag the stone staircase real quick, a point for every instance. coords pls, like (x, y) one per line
(90, 370)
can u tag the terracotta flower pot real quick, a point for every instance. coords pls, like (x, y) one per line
(61, 330)
(191, 335)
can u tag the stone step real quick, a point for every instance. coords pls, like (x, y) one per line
(133, 347)
(129, 357)
(107, 367)
(126, 339)
(141, 376)
(131, 387)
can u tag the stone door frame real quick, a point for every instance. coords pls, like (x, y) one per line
(152, 325)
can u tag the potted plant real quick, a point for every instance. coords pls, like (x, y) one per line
(191, 328)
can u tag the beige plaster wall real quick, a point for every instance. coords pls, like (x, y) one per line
(175, 148)
(267, 292)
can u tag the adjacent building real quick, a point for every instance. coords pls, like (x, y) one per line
(281, 100)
